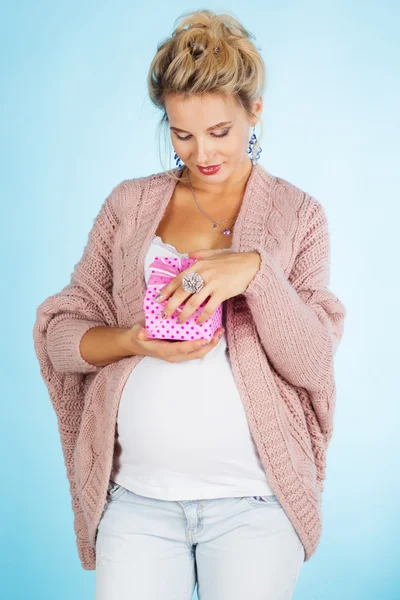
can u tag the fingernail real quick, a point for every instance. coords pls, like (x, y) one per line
(159, 297)
(205, 344)
(220, 334)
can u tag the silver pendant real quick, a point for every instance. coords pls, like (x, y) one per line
(227, 232)
(214, 226)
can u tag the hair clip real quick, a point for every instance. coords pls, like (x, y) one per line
(216, 50)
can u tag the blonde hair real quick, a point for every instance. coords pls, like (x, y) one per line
(186, 63)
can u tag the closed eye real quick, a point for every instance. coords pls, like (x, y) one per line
(185, 139)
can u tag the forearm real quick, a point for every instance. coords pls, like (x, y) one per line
(299, 343)
(103, 345)
(81, 346)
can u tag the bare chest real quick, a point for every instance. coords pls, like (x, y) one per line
(186, 228)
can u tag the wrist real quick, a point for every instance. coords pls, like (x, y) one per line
(256, 262)
(126, 342)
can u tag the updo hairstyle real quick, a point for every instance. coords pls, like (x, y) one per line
(207, 54)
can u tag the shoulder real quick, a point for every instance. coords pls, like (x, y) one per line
(136, 185)
(128, 194)
(291, 215)
(284, 193)
(290, 199)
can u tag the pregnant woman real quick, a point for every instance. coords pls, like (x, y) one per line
(198, 461)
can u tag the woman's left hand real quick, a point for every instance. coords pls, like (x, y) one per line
(225, 274)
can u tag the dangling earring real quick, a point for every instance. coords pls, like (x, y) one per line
(178, 161)
(252, 142)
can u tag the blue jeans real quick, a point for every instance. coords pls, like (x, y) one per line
(233, 548)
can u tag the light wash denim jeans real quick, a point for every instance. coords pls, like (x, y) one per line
(233, 548)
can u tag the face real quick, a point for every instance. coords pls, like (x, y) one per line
(211, 130)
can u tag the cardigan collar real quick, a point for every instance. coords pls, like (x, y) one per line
(156, 193)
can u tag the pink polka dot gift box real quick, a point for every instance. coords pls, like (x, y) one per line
(163, 270)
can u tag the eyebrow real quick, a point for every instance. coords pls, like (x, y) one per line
(217, 126)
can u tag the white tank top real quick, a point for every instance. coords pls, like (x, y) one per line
(182, 428)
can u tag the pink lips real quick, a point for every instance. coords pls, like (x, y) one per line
(209, 170)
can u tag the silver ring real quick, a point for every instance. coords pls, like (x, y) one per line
(192, 282)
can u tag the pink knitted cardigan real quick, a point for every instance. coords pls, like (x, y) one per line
(282, 334)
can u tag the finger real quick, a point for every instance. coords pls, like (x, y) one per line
(174, 302)
(187, 347)
(202, 351)
(194, 302)
(191, 349)
(216, 337)
(208, 310)
(207, 345)
(172, 286)
(142, 333)
(167, 291)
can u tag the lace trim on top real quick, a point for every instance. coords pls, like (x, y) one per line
(159, 241)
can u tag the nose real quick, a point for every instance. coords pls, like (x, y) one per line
(204, 153)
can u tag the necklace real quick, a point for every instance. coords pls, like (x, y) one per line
(227, 231)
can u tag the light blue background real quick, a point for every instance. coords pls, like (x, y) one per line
(76, 121)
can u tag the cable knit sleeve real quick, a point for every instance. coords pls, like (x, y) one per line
(63, 343)
(298, 319)
(61, 321)
(86, 301)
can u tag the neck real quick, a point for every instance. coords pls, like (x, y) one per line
(234, 186)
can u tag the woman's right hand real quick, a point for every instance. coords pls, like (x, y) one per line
(169, 350)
